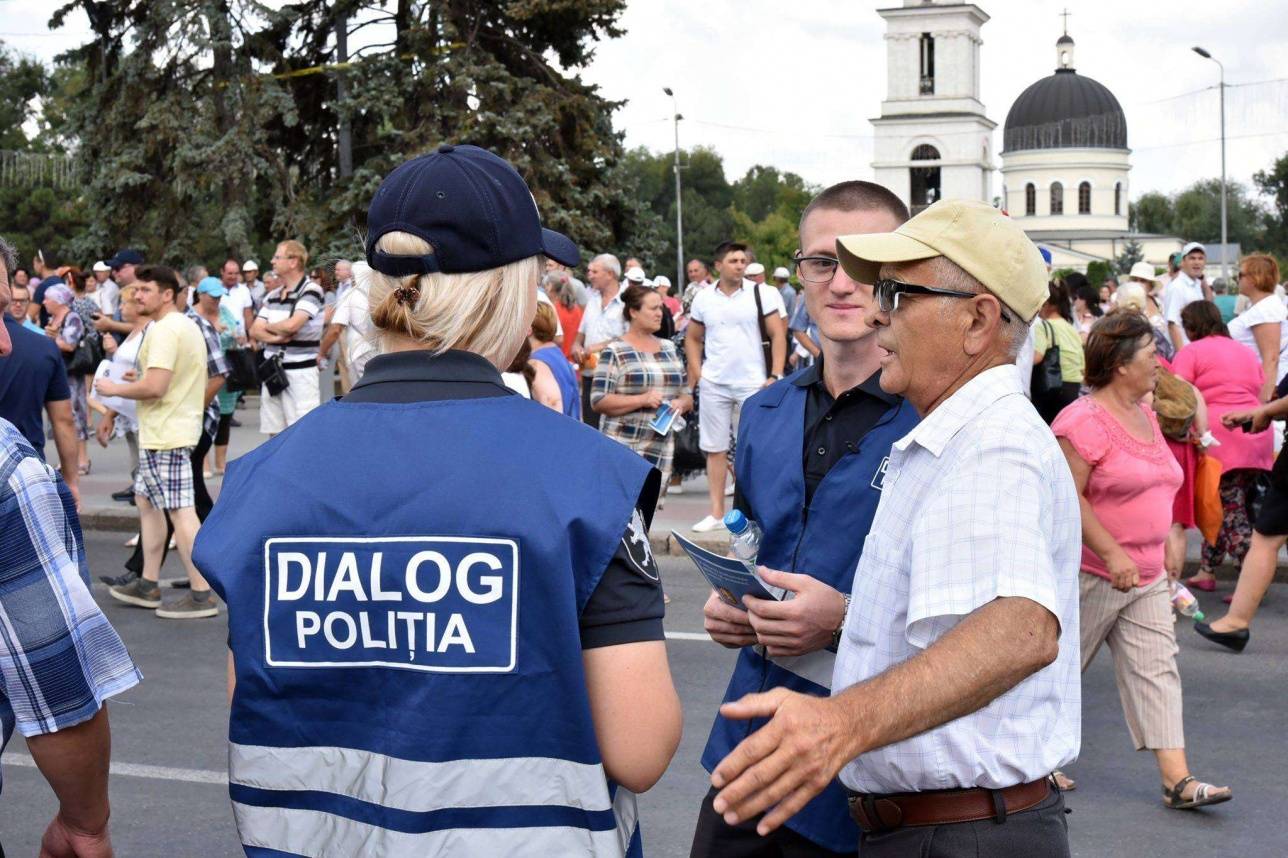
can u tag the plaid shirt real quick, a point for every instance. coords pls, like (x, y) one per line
(59, 657)
(216, 365)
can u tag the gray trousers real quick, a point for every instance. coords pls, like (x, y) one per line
(1040, 832)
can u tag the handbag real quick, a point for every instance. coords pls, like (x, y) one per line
(86, 357)
(687, 456)
(1175, 405)
(1047, 376)
(273, 375)
(243, 370)
(1208, 513)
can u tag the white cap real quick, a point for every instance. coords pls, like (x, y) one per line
(662, 281)
(754, 268)
(1191, 247)
(102, 266)
(250, 265)
(635, 274)
(781, 273)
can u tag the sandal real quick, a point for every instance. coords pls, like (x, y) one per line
(1063, 782)
(1204, 795)
(1207, 585)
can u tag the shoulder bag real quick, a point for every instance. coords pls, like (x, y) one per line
(766, 347)
(1047, 376)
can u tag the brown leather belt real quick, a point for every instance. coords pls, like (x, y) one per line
(877, 813)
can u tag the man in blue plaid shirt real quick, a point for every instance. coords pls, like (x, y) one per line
(59, 657)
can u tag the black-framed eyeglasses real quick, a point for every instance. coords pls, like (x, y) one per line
(816, 269)
(887, 294)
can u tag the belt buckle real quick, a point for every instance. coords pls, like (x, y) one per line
(875, 815)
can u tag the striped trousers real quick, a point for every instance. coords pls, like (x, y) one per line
(1137, 626)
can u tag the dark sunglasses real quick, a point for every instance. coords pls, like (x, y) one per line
(887, 294)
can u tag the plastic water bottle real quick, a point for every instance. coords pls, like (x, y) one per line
(745, 545)
(1184, 602)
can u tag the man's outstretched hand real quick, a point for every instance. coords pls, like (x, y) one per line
(784, 764)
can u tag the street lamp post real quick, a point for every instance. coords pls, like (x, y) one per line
(679, 204)
(1225, 252)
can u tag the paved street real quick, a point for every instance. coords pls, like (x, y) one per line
(169, 750)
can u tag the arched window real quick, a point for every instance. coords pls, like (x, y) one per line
(1118, 198)
(1030, 199)
(1057, 198)
(1084, 198)
(925, 181)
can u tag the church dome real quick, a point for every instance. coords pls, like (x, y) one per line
(1065, 110)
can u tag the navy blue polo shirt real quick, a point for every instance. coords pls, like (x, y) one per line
(627, 605)
(31, 376)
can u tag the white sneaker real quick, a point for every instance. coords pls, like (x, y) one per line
(729, 489)
(708, 524)
(132, 541)
(675, 489)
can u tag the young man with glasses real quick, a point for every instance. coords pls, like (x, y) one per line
(834, 425)
(724, 348)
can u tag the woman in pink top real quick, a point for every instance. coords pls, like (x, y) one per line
(1230, 377)
(1126, 478)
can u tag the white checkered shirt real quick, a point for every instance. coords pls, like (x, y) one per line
(978, 503)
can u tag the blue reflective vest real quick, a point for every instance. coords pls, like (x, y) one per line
(823, 540)
(554, 358)
(404, 583)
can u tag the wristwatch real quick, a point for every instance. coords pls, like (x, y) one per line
(836, 635)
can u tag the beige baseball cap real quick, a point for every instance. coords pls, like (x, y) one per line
(985, 243)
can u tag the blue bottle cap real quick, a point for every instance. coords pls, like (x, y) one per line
(735, 521)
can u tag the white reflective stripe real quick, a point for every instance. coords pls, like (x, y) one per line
(418, 786)
(815, 666)
(626, 812)
(323, 835)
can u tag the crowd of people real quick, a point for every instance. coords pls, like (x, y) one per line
(969, 472)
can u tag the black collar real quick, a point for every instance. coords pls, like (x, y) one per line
(419, 365)
(813, 375)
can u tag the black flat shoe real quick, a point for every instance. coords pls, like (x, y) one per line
(1230, 640)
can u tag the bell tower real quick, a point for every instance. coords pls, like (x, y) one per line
(933, 140)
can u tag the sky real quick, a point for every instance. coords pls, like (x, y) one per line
(796, 91)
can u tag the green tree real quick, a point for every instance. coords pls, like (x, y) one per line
(1273, 182)
(1132, 253)
(1152, 213)
(1097, 271)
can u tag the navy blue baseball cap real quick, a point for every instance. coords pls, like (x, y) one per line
(472, 207)
(125, 257)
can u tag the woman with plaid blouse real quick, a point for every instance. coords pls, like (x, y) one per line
(637, 372)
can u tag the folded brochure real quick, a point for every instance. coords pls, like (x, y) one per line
(728, 576)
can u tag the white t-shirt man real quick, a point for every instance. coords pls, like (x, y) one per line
(354, 312)
(602, 324)
(1181, 292)
(1268, 311)
(732, 333)
(238, 300)
(107, 296)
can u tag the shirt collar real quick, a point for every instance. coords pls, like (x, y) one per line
(813, 374)
(939, 426)
(421, 365)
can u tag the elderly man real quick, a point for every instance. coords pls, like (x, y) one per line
(956, 689)
(600, 324)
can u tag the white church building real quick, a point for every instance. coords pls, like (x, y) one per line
(1065, 159)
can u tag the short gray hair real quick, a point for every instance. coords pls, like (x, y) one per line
(950, 275)
(9, 256)
(610, 262)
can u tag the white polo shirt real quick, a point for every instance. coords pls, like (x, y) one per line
(602, 324)
(977, 504)
(1181, 292)
(732, 332)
